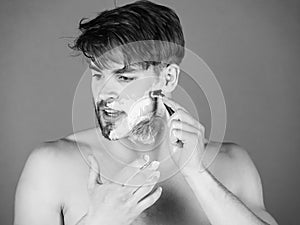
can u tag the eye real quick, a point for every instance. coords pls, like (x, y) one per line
(97, 76)
(125, 79)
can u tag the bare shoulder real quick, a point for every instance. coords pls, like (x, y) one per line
(69, 151)
(44, 181)
(239, 162)
(235, 169)
(231, 164)
(49, 164)
(44, 160)
(55, 153)
(227, 156)
(231, 154)
(37, 171)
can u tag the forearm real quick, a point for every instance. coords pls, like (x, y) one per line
(220, 205)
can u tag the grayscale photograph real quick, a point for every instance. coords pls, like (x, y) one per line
(150, 112)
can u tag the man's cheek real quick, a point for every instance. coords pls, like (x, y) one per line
(134, 98)
(138, 88)
(137, 111)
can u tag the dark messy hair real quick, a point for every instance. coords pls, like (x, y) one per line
(143, 32)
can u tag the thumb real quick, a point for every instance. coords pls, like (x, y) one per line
(175, 153)
(94, 174)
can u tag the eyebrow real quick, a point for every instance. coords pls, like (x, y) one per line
(94, 68)
(125, 69)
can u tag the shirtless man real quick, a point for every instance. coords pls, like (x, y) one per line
(118, 185)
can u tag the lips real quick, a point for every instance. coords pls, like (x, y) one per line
(111, 113)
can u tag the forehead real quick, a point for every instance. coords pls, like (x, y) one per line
(119, 68)
(113, 59)
(94, 65)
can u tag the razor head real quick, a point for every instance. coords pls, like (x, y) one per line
(158, 93)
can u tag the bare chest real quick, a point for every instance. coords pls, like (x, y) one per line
(177, 205)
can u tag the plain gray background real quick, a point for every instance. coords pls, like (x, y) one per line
(252, 46)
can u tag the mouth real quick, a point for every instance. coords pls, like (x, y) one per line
(111, 114)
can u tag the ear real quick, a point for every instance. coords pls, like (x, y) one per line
(170, 78)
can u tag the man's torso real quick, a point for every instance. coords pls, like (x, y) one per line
(177, 204)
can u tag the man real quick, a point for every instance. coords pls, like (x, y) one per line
(145, 163)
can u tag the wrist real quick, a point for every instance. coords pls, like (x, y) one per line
(199, 181)
(193, 171)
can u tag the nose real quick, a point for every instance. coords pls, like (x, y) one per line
(108, 91)
(109, 98)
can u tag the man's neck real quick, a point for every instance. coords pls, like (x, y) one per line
(122, 155)
(139, 148)
(125, 151)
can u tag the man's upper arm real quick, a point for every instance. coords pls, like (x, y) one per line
(250, 187)
(36, 198)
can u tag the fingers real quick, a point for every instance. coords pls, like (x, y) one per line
(129, 171)
(149, 200)
(137, 163)
(180, 125)
(181, 114)
(185, 117)
(146, 188)
(139, 178)
(136, 173)
(184, 136)
(188, 141)
(94, 173)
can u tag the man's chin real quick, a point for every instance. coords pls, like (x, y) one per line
(139, 130)
(142, 139)
(113, 130)
(145, 132)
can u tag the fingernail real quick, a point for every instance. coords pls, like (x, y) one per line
(146, 158)
(155, 165)
(154, 177)
(156, 174)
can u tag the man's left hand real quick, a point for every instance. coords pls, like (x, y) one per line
(187, 137)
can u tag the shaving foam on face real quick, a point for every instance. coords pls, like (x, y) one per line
(136, 111)
(159, 94)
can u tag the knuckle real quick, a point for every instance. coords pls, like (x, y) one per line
(153, 177)
(202, 133)
(175, 123)
(180, 113)
(201, 127)
(195, 135)
(153, 199)
(140, 161)
(144, 174)
(136, 163)
(181, 110)
(129, 205)
(198, 133)
(124, 198)
(138, 210)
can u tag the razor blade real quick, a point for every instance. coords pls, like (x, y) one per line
(158, 93)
